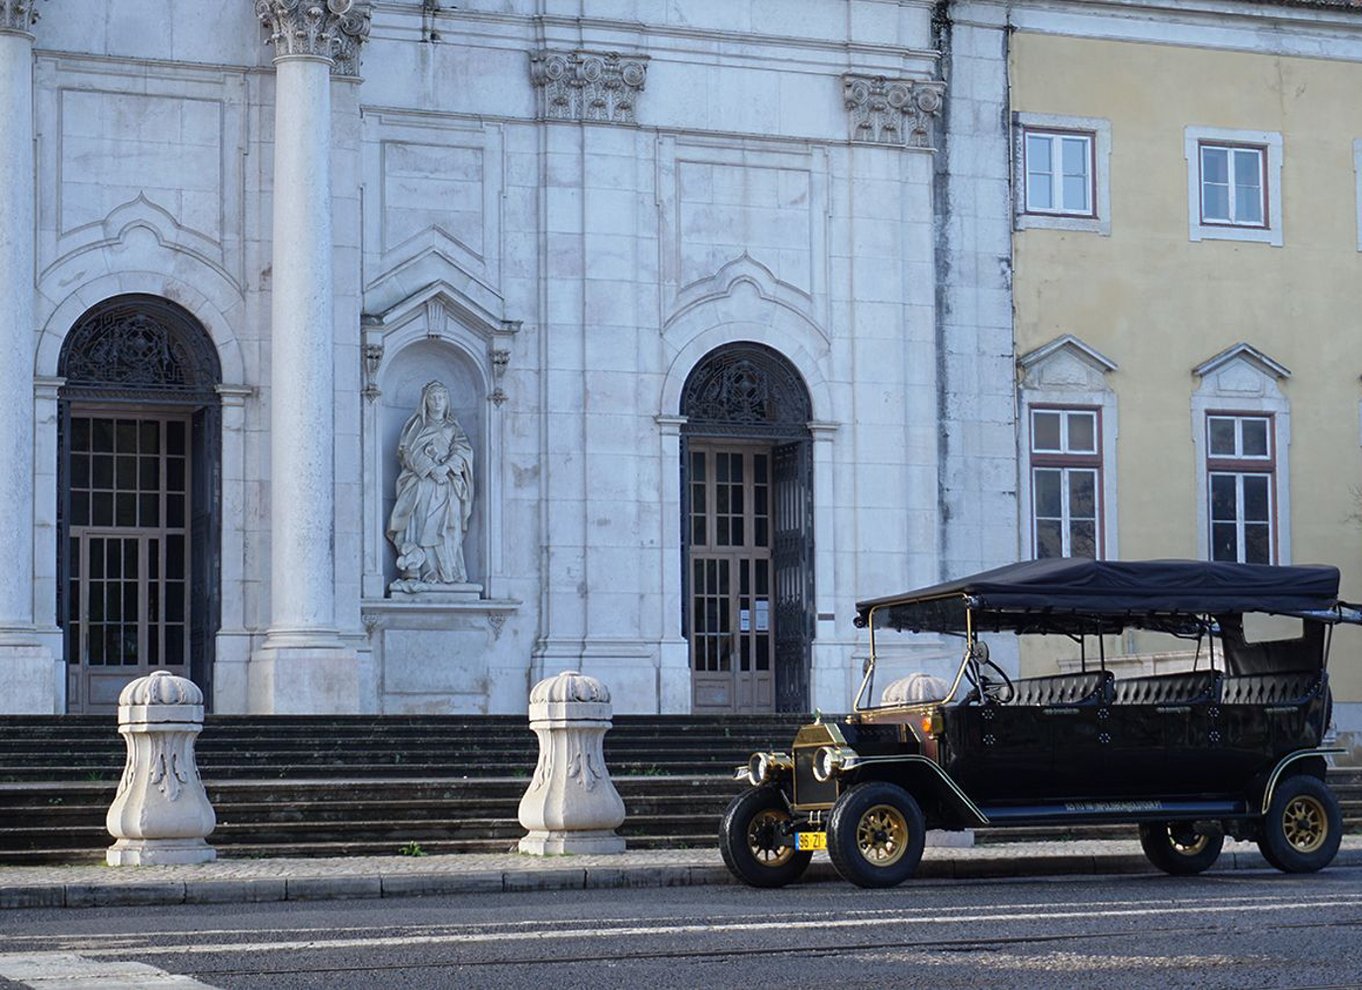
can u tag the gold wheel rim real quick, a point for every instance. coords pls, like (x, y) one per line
(767, 821)
(1188, 848)
(882, 835)
(1305, 823)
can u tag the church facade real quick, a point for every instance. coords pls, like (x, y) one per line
(388, 358)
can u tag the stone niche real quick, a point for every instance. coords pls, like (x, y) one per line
(406, 374)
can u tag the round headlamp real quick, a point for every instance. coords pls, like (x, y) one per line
(827, 763)
(758, 769)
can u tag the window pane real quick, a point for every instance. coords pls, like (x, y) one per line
(1257, 544)
(1045, 431)
(1256, 498)
(1222, 436)
(1082, 495)
(1083, 539)
(1215, 202)
(1248, 205)
(1039, 170)
(1255, 437)
(1215, 166)
(1076, 193)
(1247, 169)
(1082, 433)
(1223, 544)
(1047, 497)
(1049, 542)
(1223, 498)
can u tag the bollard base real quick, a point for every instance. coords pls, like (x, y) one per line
(159, 852)
(563, 842)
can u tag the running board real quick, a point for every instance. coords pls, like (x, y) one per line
(1095, 812)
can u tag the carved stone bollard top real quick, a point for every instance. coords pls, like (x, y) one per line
(160, 697)
(570, 696)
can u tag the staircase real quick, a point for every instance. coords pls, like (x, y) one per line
(353, 785)
(367, 785)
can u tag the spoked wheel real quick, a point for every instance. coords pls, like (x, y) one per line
(876, 834)
(751, 840)
(1178, 848)
(1303, 826)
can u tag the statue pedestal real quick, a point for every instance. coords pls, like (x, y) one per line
(406, 590)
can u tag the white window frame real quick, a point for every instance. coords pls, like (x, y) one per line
(1241, 466)
(1067, 373)
(1098, 132)
(1266, 142)
(1067, 462)
(1242, 381)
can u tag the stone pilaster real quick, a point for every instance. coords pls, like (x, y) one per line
(303, 666)
(26, 666)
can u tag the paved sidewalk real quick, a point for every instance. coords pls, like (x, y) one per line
(258, 880)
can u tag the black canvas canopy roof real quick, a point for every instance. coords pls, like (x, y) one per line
(1115, 593)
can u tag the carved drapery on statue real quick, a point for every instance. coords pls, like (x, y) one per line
(331, 29)
(434, 498)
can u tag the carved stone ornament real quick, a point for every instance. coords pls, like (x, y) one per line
(892, 111)
(571, 805)
(331, 29)
(18, 15)
(588, 85)
(161, 813)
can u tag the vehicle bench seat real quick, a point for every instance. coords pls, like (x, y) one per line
(1064, 689)
(1270, 689)
(1168, 689)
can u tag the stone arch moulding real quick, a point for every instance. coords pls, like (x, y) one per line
(746, 289)
(692, 351)
(203, 289)
(464, 338)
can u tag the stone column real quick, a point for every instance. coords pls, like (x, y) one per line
(26, 666)
(303, 666)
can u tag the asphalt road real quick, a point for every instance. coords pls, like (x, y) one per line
(1236, 930)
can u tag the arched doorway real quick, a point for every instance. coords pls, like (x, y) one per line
(747, 531)
(138, 498)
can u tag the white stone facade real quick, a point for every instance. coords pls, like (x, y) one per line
(559, 216)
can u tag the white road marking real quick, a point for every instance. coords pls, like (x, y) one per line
(70, 971)
(596, 931)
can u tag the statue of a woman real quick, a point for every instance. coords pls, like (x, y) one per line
(434, 495)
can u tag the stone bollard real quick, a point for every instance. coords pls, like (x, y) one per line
(571, 805)
(161, 813)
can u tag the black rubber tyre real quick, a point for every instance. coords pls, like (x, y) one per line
(1303, 826)
(875, 834)
(1178, 848)
(749, 840)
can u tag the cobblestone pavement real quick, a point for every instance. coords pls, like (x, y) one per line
(254, 880)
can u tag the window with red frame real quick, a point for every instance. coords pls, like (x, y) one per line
(1241, 488)
(1066, 483)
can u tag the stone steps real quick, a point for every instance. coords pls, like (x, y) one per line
(286, 786)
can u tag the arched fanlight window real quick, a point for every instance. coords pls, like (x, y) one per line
(746, 390)
(139, 346)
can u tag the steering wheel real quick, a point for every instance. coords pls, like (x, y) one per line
(985, 688)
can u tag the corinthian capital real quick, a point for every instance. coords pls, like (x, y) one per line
(892, 111)
(18, 15)
(331, 29)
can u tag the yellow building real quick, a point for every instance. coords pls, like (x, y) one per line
(1187, 272)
